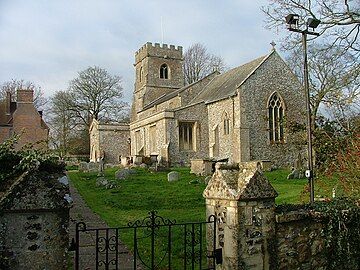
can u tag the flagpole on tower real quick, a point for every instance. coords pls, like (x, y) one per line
(162, 30)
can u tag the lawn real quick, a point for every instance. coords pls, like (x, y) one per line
(142, 192)
(180, 200)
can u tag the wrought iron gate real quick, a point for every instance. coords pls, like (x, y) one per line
(156, 243)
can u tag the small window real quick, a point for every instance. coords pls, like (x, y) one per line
(186, 136)
(141, 74)
(226, 125)
(164, 71)
(276, 119)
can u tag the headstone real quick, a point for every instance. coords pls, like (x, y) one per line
(138, 160)
(295, 174)
(101, 182)
(159, 159)
(83, 167)
(143, 165)
(93, 167)
(123, 174)
(64, 180)
(173, 176)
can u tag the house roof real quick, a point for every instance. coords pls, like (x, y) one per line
(225, 85)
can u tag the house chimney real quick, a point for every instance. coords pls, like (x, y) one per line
(25, 96)
(8, 103)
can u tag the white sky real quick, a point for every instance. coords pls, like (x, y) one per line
(49, 41)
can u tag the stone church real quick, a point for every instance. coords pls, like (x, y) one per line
(241, 115)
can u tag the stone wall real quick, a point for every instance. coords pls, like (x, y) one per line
(196, 114)
(114, 142)
(299, 243)
(223, 145)
(251, 234)
(273, 76)
(34, 223)
(110, 141)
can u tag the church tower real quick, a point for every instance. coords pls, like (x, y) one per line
(158, 71)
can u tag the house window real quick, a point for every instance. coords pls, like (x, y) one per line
(276, 119)
(226, 125)
(164, 71)
(186, 138)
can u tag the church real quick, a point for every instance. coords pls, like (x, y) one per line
(244, 114)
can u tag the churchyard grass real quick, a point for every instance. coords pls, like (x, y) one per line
(181, 200)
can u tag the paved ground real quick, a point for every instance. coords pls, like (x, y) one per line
(80, 212)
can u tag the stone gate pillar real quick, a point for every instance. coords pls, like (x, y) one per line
(243, 201)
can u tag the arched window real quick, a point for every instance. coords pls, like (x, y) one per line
(164, 71)
(226, 124)
(276, 118)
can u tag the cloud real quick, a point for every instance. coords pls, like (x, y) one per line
(48, 42)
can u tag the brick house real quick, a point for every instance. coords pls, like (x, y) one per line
(21, 117)
(242, 115)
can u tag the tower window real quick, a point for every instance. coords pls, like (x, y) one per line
(276, 119)
(164, 71)
(141, 74)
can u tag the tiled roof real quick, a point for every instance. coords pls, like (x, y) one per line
(173, 94)
(225, 85)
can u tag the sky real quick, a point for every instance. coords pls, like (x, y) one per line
(49, 41)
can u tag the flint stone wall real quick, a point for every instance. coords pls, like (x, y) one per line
(252, 236)
(299, 243)
(34, 223)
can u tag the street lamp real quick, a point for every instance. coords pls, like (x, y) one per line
(293, 25)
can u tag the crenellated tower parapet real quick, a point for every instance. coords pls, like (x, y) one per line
(158, 50)
(158, 71)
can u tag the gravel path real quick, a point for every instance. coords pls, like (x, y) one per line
(80, 212)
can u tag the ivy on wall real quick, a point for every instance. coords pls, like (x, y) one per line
(14, 162)
(341, 231)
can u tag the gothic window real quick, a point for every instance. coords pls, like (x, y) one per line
(226, 125)
(186, 140)
(276, 119)
(164, 70)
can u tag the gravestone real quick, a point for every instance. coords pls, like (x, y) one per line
(173, 176)
(83, 167)
(123, 174)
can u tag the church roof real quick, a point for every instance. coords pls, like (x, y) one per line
(225, 85)
(175, 93)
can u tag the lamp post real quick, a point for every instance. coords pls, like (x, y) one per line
(292, 21)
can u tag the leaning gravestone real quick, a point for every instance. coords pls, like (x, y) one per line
(173, 176)
(123, 174)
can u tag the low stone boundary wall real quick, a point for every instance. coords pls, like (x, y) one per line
(251, 232)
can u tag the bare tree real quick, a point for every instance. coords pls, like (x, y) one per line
(13, 85)
(340, 20)
(198, 63)
(334, 78)
(62, 123)
(96, 94)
